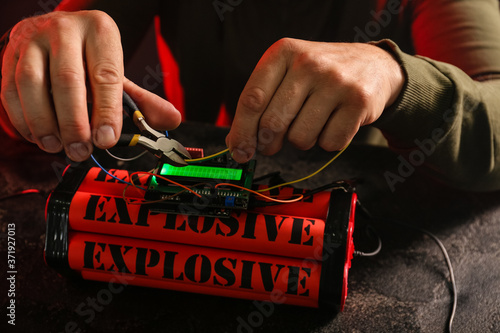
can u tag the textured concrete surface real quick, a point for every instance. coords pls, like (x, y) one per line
(405, 288)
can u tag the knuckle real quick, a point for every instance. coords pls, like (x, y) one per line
(106, 73)
(284, 44)
(359, 94)
(302, 138)
(67, 78)
(107, 114)
(329, 145)
(58, 22)
(334, 143)
(364, 96)
(254, 100)
(28, 75)
(40, 125)
(101, 23)
(74, 129)
(301, 141)
(310, 62)
(101, 20)
(273, 123)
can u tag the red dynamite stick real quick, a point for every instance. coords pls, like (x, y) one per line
(245, 231)
(195, 269)
(97, 181)
(314, 207)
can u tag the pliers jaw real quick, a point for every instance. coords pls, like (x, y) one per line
(167, 150)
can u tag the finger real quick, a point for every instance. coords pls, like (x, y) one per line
(32, 85)
(67, 76)
(340, 128)
(286, 103)
(159, 113)
(104, 58)
(13, 121)
(254, 99)
(307, 126)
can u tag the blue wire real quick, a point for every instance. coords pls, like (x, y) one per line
(113, 176)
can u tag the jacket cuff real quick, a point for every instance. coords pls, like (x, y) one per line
(422, 104)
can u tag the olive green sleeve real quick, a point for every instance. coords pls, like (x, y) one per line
(451, 119)
(447, 118)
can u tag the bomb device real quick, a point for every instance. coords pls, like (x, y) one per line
(203, 225)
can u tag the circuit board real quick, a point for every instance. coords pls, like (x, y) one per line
(216, 187)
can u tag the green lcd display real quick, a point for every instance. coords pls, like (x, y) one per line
(199, 171)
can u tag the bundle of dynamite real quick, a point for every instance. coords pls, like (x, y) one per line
(99, 228)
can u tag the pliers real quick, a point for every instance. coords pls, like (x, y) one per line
(167, 150)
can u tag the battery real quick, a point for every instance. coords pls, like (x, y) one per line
(301, 250)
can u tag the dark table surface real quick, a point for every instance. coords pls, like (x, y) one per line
(405, 288)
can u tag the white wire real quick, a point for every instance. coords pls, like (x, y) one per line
(441, 247)
(452, 274)
(125, 159)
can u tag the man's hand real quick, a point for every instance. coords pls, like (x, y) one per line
(312, 92)
(52, 64)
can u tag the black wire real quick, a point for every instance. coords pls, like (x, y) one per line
(369, 229)
(338, 184)
(269, 175)
(367, 214)
(128, 104)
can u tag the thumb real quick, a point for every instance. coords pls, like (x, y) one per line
(160, 114)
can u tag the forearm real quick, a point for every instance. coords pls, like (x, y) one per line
(453, 120)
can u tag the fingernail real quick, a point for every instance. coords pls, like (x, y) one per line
(240, 155)
(51, 143)
(78, 151)
(105, 136)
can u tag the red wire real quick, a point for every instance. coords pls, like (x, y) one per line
(166, 179)
(31, 190)
(23, 192)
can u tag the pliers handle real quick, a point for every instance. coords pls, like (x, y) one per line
(167, 150)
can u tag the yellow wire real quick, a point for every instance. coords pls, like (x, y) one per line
(227, 184)
(306, 177)
(279, 185)
(207, 157)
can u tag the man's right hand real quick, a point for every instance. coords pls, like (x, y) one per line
(52, 64)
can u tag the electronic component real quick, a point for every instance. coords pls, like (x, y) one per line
(211, 179)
